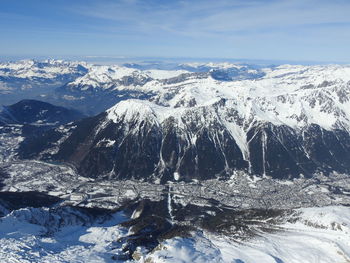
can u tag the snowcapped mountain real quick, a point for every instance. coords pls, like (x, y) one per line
(290, 121)
(267, 91)
(116, 83)
(33, 79)
(48, 69)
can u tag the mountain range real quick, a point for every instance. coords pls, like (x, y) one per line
(283, 122)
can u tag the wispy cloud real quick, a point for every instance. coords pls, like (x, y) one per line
(207, 17)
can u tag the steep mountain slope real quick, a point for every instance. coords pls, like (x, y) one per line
(29, 118)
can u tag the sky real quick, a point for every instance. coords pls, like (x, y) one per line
(294, 30)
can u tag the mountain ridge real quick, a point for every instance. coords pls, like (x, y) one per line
(188, 123)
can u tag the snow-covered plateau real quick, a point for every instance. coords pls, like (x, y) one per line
(193, 162)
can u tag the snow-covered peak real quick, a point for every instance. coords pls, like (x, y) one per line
(309, 74)
(102, 75)
(134, 110)
(48, 69)
(130, 110)
(106, 77)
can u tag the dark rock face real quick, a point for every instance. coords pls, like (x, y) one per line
(328, 149)
(132, 156)
(212, 153)
(281, 152)
(277, 151)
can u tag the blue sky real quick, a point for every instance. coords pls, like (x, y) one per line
(297, 30)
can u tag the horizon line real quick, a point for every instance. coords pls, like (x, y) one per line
(157, 59)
